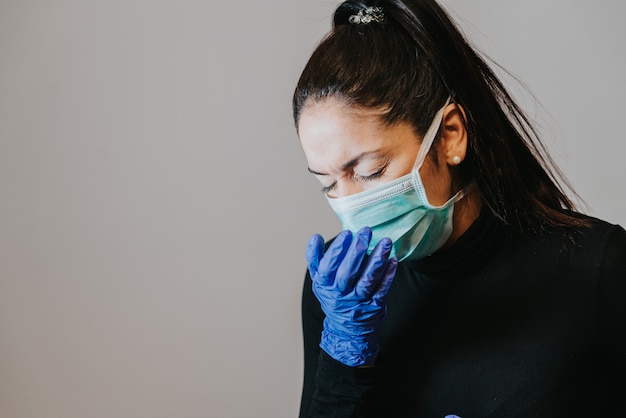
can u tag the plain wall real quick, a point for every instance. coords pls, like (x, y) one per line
(155, 205)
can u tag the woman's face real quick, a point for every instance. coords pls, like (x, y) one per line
(350, 150)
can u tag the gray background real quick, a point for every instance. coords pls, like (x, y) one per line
(154, 203)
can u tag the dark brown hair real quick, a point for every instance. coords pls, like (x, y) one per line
(408, 65)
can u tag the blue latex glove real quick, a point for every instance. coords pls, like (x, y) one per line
(352, 288)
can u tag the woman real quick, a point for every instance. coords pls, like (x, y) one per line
(464, 281)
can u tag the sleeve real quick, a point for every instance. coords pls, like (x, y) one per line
(332, 389)
(612, 298)
(611, 323)
(312, 318)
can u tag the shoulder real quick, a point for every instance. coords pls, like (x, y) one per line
(595, 250)
(599, 237)
(607, 243)
(591, 233)
(577, 253)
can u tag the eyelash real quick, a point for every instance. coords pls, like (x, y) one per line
(371, 177)
(327, 189)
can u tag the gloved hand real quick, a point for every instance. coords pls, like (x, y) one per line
(352, 289)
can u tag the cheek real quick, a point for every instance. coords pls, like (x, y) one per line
(437, 182)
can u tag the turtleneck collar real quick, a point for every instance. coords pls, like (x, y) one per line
(472, 251)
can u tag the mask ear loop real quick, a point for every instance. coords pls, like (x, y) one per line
(427, 141)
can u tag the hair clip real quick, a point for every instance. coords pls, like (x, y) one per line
(368, 15)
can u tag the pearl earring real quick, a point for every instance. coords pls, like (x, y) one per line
(456, 160)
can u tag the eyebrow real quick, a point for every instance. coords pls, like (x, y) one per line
(349, 164)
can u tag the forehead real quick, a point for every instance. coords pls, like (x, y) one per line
(331, 131)
(330, 113)
(329, 126)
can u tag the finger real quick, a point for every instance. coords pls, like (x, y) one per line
(314, 253)
(332, 258)
(380, 295)
(349, 269)
(374, 270)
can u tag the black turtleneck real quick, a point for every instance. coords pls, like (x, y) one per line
(500, 324)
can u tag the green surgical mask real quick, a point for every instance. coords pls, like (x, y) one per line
(400, 210)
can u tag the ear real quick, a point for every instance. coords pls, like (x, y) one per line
(454, 135)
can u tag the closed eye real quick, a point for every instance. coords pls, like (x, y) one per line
(370, 177)
(357, 177)
(327, 189)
